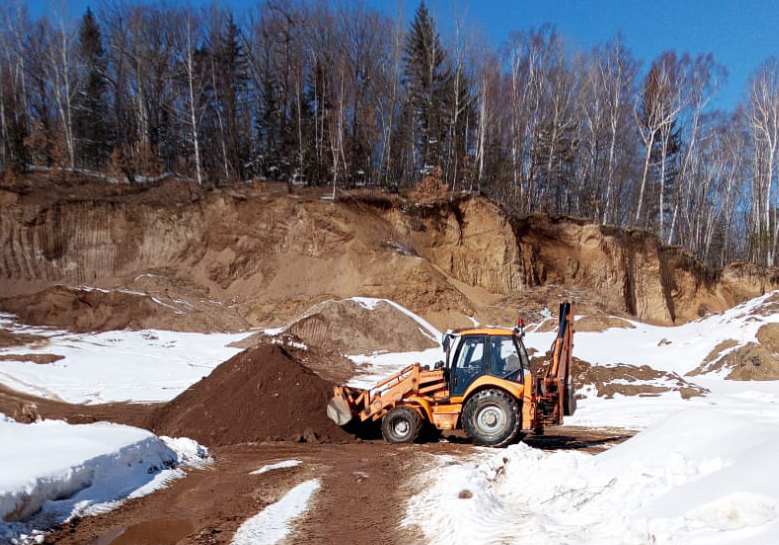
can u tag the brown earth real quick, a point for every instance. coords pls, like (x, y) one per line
(713, 357)
(364, 490)
(26, 408)
(347, 328)
(10, 339)
(265, 257)
(752, 361)
(41, 359)
(768, 336)
(351, 329)
(622, 379)
(260, 394)
(601, 323)
(89, 310)
(633, 380)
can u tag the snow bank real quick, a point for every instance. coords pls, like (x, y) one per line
(701, 476)
(51, 471)
(274, 523)
(142, 366)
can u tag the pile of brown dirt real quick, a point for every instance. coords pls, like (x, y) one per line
(261, 394)
(88, 310)
(623, 379)
(631, 380)
(752, 361)
(350, 328)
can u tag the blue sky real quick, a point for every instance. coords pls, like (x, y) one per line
(740, 34)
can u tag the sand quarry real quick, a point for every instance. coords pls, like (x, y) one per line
(232, 334)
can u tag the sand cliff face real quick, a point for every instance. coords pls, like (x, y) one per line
(268, 258)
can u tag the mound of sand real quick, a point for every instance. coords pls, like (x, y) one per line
(347, 327)
(591, 323)
(88, 310)
(350, 328)
(261, 394)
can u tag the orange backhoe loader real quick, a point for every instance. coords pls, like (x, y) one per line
(485, 387)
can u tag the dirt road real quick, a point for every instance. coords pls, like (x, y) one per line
(363, 494)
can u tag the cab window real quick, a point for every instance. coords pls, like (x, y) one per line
(505, 357)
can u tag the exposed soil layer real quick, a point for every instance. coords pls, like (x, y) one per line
(41, 359)
(601, 323)
(265, 257)
(260, 394)
(26, 408)
(89, 310)
(9, 339)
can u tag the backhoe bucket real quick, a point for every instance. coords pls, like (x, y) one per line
(338, 411)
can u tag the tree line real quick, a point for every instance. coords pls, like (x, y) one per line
(347, 96)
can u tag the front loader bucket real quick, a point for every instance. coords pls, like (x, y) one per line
(338, 411)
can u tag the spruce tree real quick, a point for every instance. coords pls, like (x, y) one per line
(91, 112)
(427, 79)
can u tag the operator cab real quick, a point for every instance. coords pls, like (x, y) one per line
(477, 352)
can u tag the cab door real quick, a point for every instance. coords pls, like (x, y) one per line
(469, 363)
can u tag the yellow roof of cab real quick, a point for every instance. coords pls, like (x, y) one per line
(487, 331)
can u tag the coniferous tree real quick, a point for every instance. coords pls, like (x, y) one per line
(428, 82)
(91, 111)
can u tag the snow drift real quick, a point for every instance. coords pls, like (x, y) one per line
(698, 477)
(51, 471)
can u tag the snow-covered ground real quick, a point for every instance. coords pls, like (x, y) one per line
(702, 471)
(141, 366)
(702, 476)
(51, 471)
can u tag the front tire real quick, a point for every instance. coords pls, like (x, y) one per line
(401, 425)
(492, 418)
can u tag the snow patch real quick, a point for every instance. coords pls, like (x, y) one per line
(142, 366)
(274, 523)
(280, 465)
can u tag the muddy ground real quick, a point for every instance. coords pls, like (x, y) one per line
(364, 490)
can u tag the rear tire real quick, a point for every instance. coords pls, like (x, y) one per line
(492, 418)
(401, 425)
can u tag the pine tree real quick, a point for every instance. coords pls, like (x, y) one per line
(428, 81)
(91, 112)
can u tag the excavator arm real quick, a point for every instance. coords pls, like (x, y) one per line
(555, 390)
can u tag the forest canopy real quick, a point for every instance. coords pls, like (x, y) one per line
(321, 93)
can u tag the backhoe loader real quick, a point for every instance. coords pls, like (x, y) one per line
(484, 386)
